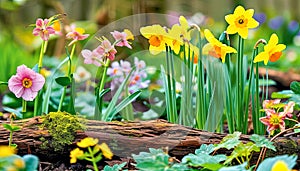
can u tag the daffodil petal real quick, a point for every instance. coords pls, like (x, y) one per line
(249, 13)
(252, 23)
(231, 29)
(263, 56)
(239, 10)
(230, 18)
(243, 32)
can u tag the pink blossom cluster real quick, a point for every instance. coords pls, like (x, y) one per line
(119, 70)
(276, 113)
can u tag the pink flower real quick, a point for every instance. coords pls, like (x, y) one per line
(121, 38)
(26, 83)
(269, 104)
(273, 120)
(91, 57)
(76, 34)
(288, 109)
(107, 50)
(43, 29)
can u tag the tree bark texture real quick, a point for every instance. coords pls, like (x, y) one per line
(126, 138)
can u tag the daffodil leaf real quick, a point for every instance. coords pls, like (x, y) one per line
(103, 92)
(230, 141)
(63, 81)
(261, 141)
(295, 87)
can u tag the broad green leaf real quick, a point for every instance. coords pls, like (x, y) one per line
(261, 141)
(124, 103)
(242, 150)
(295, 87)
(241, 167)
(206, 149)
(282, 94)
(268, 163)
(202, 159)
(115, 167)
(71, 107)
(229, 141)
(63, 81)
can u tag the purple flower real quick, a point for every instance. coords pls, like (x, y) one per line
(26, 83)
(293, 26)
(42, 29)
(260, 17)
(276, 23)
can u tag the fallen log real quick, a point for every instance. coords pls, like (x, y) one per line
(126, 138)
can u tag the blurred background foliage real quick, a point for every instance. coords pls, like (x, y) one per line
(19, 46)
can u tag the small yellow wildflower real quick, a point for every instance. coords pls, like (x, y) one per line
(215, 48)
(106, 151)
(129, 34)
(74, 154)
(280, 166)
(6, 151)
(240, 21)
(272, 51)
(87, 142)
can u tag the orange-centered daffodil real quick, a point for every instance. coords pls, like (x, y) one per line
(157, 38)
(215, 48)
(240, 21)
(272, 51)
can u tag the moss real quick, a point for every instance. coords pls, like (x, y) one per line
(62, 127)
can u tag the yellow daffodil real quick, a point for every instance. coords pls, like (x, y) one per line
(87, 142)
(6, 151)
(106, 151)
(215, 48)
(74, 154)
(272, 51)
(157, 36)
(175, 40)
(129, 34)
(240, 21)
(280, 166)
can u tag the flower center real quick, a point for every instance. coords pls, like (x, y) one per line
(275, 56)
(27, 83)
(154, 41)
(274, 120)
(241, 22)
(218, 51)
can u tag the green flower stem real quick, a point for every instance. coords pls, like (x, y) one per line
(257, 103)
(93, 159)
(40, 64)
(255, 51)
(99, 88)
(69, 75)
(24, 105)
(239, 90)
(128, 110)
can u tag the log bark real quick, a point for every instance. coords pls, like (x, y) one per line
(126, 138)
(283, 78)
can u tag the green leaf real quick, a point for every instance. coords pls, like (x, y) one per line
(261, 141)
(8, 127)
(241, 167)
(63, 81)
(282, 94)
(229, 141)
(19, 114)
(268, 163)
(115, 167)
(114, 100)
(31, 162)
(202, 159)
(71, 107)
(35, 68)
(103, 92)
(295, 87)
(242, 150)
(46, 100)
(124, 103)
(3, 83)
(205, 149)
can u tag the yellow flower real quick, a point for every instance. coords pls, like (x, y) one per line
(74, 154)
(6, 151)
(157, 36)
(87, 142)
(129, 34)
(19, 163)
(272, 51)
(280, 166)
(215, 48)
(105, 151)
(175, 40)
(240, 21)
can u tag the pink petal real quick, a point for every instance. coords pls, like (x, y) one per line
(29, 95)
(36, 31)
(86, 53)
(38, 82)
(50, 30)
(39, 22)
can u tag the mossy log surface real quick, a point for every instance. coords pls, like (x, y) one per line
(126, 138)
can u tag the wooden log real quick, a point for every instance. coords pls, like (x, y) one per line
(126, 138)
